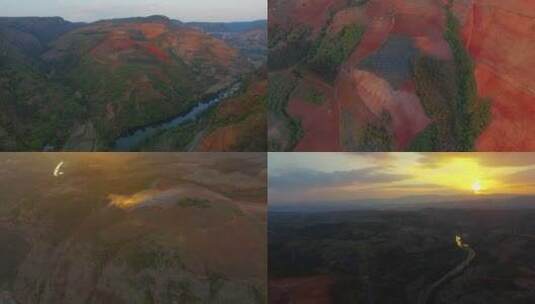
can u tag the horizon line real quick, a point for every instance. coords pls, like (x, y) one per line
(146, 16)
(446, 197)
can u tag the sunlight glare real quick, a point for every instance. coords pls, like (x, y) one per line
(476, 187)
(463, 174)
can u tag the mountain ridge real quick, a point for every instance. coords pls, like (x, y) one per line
(116, 75)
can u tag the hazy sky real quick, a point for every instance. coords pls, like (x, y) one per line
(302, 177)
(185, 10)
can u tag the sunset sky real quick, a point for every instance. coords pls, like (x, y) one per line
(92, 10)
(314, 177)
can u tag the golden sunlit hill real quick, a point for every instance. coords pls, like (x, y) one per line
(132, 228)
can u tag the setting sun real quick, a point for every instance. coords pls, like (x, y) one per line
(461, 173)
(476, 187)
(400, 175)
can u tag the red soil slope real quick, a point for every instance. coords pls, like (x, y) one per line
(119, 40)
(306, 290)
(189, 43)
(500, 36)
(320, 123)
(150, 38)
(228, 137)
(420, 20)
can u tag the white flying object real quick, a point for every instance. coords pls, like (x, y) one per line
(57, 171)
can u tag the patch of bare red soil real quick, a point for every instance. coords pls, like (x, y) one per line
(160, 41)
(354, 113)
(152, 30)
(190, 44)
(320, 123)
(500, 36)
(156, 52)
(114, 43)
(119, 40)
(222, 139)
(241, 104)
(422, 20)
(226, 138)
(377, 32)
(305, 290)
(512, 127)
(363, 96)
(404, 107)
(438, 48)
(416, 18)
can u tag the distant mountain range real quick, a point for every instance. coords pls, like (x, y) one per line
(79, 86)
(234, 27)
(249, 37)
(498, 201)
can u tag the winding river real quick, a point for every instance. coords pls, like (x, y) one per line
(134, 139)
(427, 294)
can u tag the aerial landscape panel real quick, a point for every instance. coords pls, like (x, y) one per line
(401, 75)
(173, 76)
(404, 228)
(133, 228)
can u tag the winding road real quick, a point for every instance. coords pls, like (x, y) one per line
(426, 296)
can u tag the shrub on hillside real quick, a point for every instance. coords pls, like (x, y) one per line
(332, 51)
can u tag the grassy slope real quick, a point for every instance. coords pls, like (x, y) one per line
(138, 91)
(43, 100)
(34, 110)
(244, 113)
(289, 130)
(293, 51)
(75, 231)
(331, 51)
